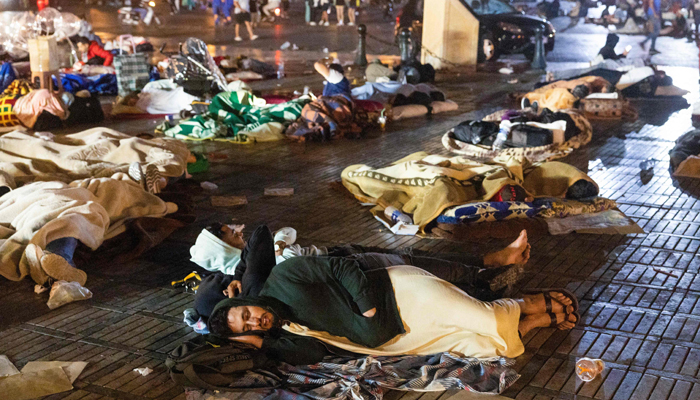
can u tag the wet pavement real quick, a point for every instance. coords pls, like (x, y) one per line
(639, 294)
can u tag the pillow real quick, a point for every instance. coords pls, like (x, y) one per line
(409, 111)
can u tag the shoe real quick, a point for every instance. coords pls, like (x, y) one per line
(326, 23)
(153, 180)
(253, 37)
(654, 51)
(524, 103)
(535, 106)
(33, 254)
(237, 38)
(340, 23)
(312, 23)
(59, 269)
(641, 44)
(351, 24)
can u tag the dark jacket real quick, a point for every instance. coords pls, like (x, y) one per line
(328, 294)
(608, 51)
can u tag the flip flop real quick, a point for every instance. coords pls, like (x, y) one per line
(553, 319)
(548, 298)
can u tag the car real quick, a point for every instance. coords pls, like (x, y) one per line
(502, 28)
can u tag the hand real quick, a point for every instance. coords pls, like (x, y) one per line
(370, 313)
(234, 286)
(626, 52)
(281, 245)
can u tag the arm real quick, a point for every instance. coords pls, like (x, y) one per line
(100, 52)
(322, 68)
(349, 274)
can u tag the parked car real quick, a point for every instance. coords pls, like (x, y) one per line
(502, 28)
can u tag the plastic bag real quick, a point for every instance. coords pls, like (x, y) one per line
(63, 292)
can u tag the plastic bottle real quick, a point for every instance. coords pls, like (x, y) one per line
(500, 138)
(647, 165)
(397, 216)
(280, 70)
(587, 369)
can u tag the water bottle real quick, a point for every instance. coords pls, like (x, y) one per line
(397, 216)
(280, 70)
(500, 138)
(587, 369)
(647, 165)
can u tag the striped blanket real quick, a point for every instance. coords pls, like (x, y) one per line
(238, 117)
(370, 378)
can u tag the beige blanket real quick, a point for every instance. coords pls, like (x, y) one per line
(424, 185)
(89, 210)
(97, 152)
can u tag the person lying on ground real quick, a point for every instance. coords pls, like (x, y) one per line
(243, 267)
(93, 53)
(400, 310)
(608, 51)
(336, 82)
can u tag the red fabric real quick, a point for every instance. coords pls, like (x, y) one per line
(96, 50)
(275, 99)
(369, 105)
(41, 4)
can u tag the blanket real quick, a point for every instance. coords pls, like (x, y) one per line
(238, 117)
(326, 118)
(370, 378)
(90, 210)
(425, 185)
(164, 97)
(533, 154)
(99, 84)
(97, 152)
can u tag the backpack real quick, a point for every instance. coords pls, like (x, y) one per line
(208, 362)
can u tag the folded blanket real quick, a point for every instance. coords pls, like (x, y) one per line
(89, 210)
(96, 152)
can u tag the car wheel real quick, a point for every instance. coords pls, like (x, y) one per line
(487, 49)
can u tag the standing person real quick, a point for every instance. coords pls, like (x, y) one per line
(653, 8)
(324, 6)
(174, 6)
(222, 7)
(254, 13)
(241, 10)
(696, 16)
(351, 5)
(340, 11)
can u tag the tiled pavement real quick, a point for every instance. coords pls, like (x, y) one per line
(640, 294)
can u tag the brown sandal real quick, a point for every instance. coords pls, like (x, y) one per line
(548, 297)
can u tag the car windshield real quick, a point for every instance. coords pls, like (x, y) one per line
(484, 7)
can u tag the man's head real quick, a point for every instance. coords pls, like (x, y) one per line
(83, 44)
(227, 321)
(230, 234)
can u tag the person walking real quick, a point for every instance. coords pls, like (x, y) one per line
(269, 10)
(241, 11)
(351, 5)
(340, 11)
(653, 8)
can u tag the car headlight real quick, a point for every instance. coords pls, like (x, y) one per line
(510, 28)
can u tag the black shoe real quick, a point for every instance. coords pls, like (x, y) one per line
(653, 52)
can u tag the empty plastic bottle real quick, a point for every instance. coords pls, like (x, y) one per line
(397, 216)
(500, 138)
(280, 70)
(587, 369)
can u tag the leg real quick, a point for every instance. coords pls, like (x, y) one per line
(340, 11)
(64, 247)
(237, 30)
(249, 27)
(259, 259)
(351, 15)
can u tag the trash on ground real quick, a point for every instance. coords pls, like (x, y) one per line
(143, 371)
(513, 81)
(228, 201)
(665, 272)
(63, 292)
(279, 191)
(208, 186)
(285, 46)
(506, 70)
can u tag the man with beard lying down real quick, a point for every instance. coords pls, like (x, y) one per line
(393, 311)
(243, 267)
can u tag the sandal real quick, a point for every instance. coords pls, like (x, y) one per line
(555, 324)
(548, 298)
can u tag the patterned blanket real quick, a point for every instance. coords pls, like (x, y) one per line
(238, 117)
(328, 117)
(370, 378)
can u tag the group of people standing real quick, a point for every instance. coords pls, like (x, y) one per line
(324, 8)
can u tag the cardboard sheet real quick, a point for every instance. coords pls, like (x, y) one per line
(611, 222)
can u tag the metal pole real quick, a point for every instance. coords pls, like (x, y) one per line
(405, 45)
(361, 59)
(538, 61)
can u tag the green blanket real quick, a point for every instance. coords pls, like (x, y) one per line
(238, 117)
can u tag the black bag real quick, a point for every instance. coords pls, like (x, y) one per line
(474, 132)
(85, 110)
(208, 362)
(530, 136)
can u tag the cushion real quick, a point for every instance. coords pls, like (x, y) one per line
(409, 111)
(443, 106)
(488, 211)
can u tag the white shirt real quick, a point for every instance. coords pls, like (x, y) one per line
(243, 7)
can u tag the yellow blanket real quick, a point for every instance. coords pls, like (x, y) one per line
(425, 185)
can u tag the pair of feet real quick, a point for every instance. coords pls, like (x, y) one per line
(535, 313)
(44, 265)
(238, 38)
(652, 51)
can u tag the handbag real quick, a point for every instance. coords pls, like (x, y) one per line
(131, 69)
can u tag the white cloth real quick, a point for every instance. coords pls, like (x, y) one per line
(164, 97)
(287, 235)
(442, 318)
(213, 254)
(297, 251)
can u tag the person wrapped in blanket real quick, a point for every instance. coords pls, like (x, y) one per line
(564, 95)
(238, 265)
(306, 308)
(332, 115)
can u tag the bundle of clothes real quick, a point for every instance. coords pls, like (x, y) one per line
(431, 188)
(537, 137)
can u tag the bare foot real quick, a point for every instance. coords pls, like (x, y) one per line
(535, 304)
(517, 252)
(530, 322)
